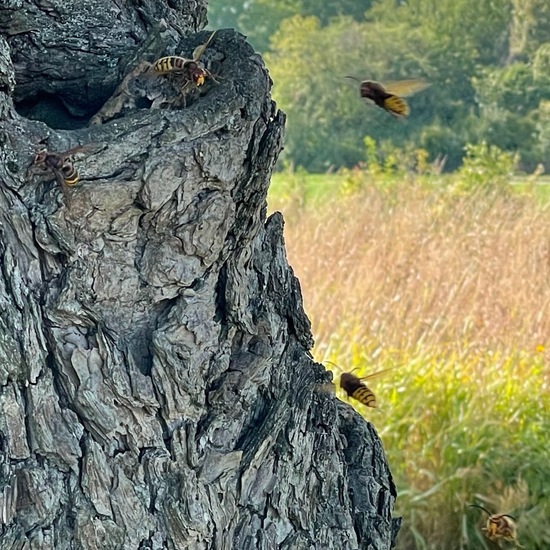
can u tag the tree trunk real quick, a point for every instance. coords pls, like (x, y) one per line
(156, 387)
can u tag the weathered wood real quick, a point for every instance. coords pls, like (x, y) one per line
(156, 388)
(69, 56)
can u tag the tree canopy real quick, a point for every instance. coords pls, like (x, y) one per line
(488, 63)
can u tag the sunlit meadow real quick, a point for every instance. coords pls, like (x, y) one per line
(449, 284)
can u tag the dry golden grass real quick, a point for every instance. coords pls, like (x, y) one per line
(454, 290)
(413, 266)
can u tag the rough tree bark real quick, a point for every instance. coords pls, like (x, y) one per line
(156, 387)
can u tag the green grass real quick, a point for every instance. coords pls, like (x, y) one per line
(459, 428)
(297, 190)
(302, 188)
(448, 283)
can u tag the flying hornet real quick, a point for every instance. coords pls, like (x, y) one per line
(499, 526)
(389, 96)
(356, 388)
(194, 74)
(61, 164)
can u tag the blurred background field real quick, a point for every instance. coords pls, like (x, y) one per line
(424, 243)
(446, 277)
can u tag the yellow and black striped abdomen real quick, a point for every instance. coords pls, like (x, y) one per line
(396, 105)
(365, 396)
(357, 389)
(70, 175)
(169, 64)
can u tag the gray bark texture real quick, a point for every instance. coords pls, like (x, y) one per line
(156, 386)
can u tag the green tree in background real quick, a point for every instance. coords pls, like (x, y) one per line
(308, 65)
(259, 19)
(529, 27)
(488, 62)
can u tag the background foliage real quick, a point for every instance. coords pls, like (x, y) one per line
(489, 63)
(443, 278)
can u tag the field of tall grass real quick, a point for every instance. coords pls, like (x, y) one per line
(450, 284)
